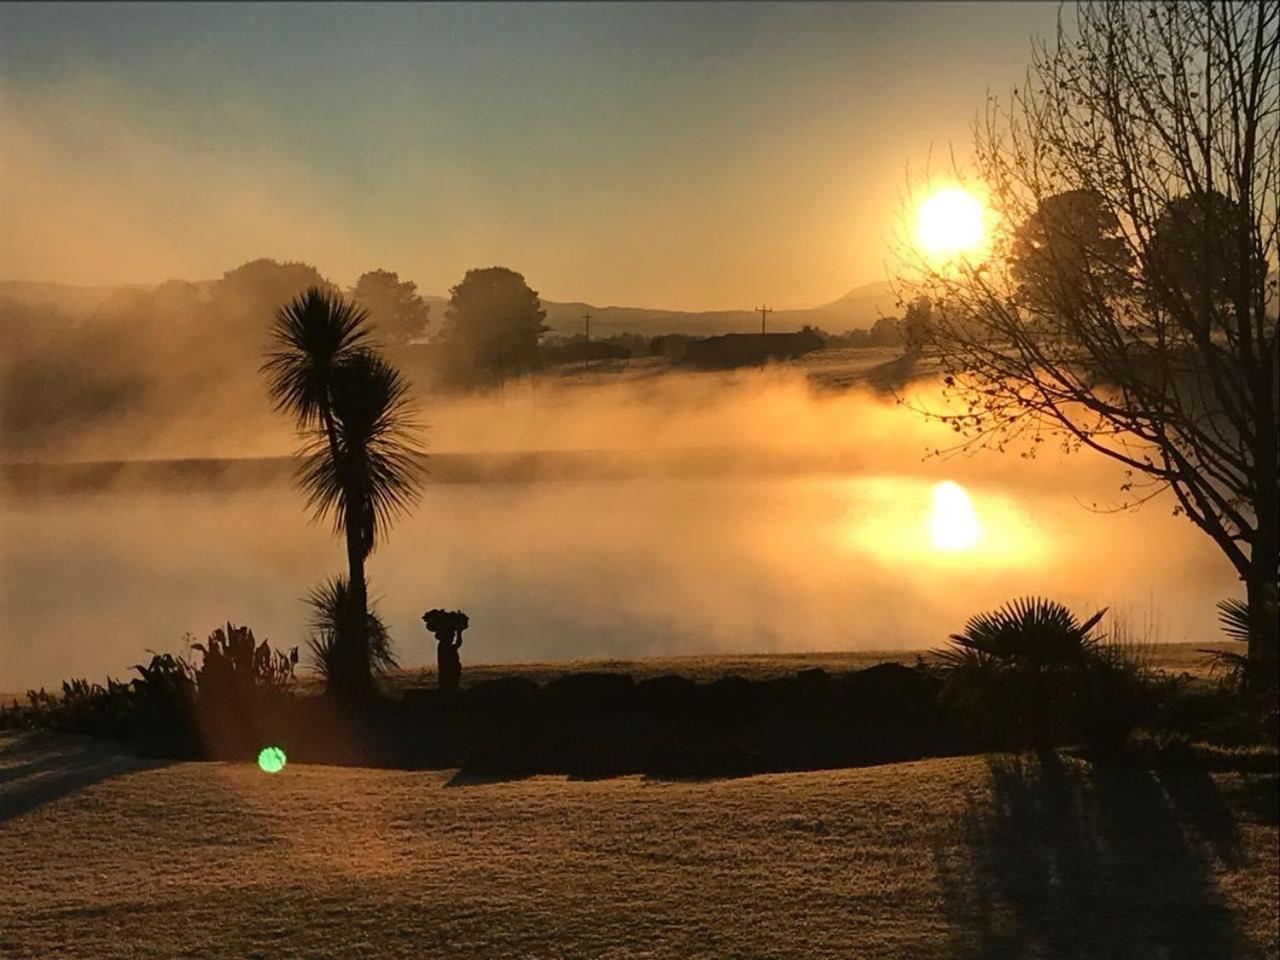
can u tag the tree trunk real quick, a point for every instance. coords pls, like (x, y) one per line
(355, 679)
(1264, 550)
(1263, 628)
(360, 683)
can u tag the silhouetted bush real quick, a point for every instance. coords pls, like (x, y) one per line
(173, 707)
(1031, 674)
(236, 681)
(586, 695)
(501, 698)
(730, 700)
(162, 717)
(155, 710)
(1113, 696)
(808, 695)
(667, 698)
(894, 693)
(234, 667)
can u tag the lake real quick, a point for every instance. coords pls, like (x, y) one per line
(761, 518)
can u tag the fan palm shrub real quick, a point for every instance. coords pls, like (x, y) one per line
(1016, 672)
(1243, 674)
(1252, 684)
(360, 466)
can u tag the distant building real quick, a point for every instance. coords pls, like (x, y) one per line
(746, 349)
(671, 346)
(581, 350)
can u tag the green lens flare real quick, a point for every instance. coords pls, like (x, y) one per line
(271, 760)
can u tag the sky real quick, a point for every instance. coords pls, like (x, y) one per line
(674, 155)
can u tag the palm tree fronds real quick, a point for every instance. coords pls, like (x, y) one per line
(1233, 617)
(369, 472)
(310, 337)
(1033, 629)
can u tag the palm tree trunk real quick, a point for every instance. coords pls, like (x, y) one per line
(361, 679)
(355, 679)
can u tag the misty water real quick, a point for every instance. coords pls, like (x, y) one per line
(760, 518)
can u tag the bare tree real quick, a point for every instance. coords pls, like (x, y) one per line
(1126, 299)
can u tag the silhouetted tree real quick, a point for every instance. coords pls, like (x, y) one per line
(915, 325)
(1127, 300)
(1068, 248)
(886, 332)
(140, 358)
(360, 465)
(394, 306)
(492, 325)
(245, 293)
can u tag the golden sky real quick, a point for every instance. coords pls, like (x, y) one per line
(664, 155)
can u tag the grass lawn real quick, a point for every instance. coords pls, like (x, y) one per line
(113, 857)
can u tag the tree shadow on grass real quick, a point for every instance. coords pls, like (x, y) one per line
(466, 777)
(38, 768)
(1064, 859)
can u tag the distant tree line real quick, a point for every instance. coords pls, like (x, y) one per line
(173, 354)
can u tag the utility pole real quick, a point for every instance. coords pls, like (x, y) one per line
(587, 319)
(764, 312)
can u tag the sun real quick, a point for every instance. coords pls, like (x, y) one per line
(953, 523)
(949, 221)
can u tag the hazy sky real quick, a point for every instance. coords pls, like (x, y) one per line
(670, 155)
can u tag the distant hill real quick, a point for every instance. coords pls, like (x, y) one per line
(856, 310)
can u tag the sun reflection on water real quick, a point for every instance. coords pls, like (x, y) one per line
(953, 523)
(911, 521)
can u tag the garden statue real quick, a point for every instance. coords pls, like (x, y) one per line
(447, 625)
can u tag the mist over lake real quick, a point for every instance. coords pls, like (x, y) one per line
(681, 515)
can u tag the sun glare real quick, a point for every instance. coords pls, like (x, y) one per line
(949, 222)
(953, 523)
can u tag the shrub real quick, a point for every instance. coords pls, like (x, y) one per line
(173, 707)
(667, 697)
(586, 696)
(161, 715)
(1031, 673)
(1249, 684)
(333, 609)
(154, 710)
(234, 667)
(1113, 696)
(894, 693)
(236, 681)
(502, 697)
